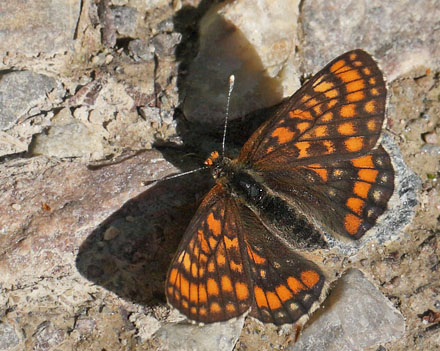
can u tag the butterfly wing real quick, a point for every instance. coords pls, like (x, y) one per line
(286, 286)
(208, 280)
(318, 152)
(228, 262)
(338, 113)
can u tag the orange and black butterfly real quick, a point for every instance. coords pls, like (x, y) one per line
(314, 167)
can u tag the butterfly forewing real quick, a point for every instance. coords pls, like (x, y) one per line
(338, 113)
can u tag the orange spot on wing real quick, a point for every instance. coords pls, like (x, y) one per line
(212, 242)
(348, 110)
(309, 278)
(361, 189)
(374, 92)
(214, 225)
(241, 290)
(203, 296)
(203, 243)
(211, 267)
(283, 293)
(363, 162)
(329, 146)
(255, 257)
(331, 93)
(372, 125)
(230, 308)
(302, 147)
(212, 287)
(355, 204)
(183, 286)
(303, 126)
(353, 56)
(202, 311)
(370, 106)
(187, 262)
(231, 243)
(337, 65)
(295, 285)
(352, 223)
(323, 86)
(226, 284)
(193, 293)
(327, 117)
(355, 86)
(283, 134)
(322, 172)
(260, 297)
(273, 300)
(221, 259)
(311, 102)
(346, 128)
(354, 144)
(332, 103)
(368, 175)
(349, 76)
(317, 109)
(372, 81)
(357, 96)
(215, 307)
(236, 267)
(366, 71)
(173, 276)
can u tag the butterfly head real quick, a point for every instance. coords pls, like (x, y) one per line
(218, 164)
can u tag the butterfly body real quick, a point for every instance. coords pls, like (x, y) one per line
(313, 169)
(247, 186)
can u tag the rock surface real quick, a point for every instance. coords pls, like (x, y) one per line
(85, 246)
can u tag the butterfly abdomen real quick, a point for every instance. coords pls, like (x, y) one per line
(273, 209)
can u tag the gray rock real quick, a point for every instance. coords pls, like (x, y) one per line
(140, 49)
(192, 337)
(67, 138)
(31, 27)
(164, 44)
(401, 34)
(355, 316)
(20, 92)
(125, 19)
(8, 337)
(47, 336)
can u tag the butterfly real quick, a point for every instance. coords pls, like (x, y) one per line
(313, 167)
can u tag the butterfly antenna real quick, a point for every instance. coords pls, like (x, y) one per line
(176, 175)
(231, 86)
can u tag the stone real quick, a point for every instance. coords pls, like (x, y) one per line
(67, 137)
(8, 336)
(39, 26)
(384, 29)
(355, 316)
(256, 45)
(20, 93)
(47, 336)
(187, 337)
(125, 19)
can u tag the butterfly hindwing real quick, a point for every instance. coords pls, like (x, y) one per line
(286, 286)
(344, 197)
